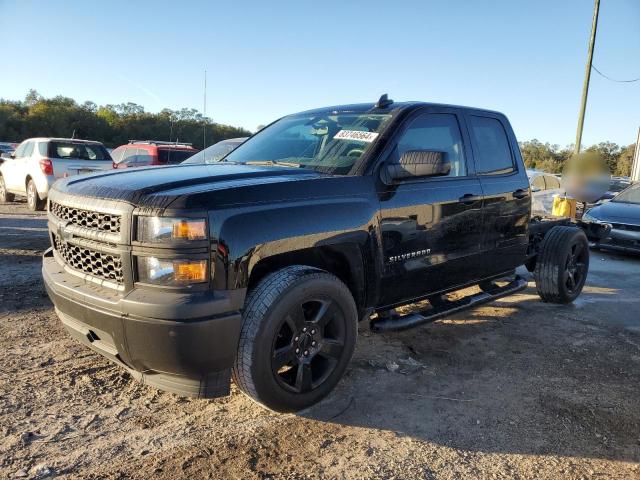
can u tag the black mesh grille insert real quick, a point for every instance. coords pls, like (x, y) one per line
(97, 264)
(86, 218)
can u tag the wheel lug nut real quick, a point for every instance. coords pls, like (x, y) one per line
(306, 352)
(313, 332)
(313, 344)
(297, 350)
(304, 329)
(296, 339)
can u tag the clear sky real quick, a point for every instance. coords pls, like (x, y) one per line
(269, 58)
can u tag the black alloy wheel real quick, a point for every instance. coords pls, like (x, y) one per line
(299, 330)
(575, 270)
(562, 264)
(308, 345)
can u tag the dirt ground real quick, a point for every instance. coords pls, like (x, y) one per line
(513, 389)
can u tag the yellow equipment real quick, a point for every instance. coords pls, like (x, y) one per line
(564, 206)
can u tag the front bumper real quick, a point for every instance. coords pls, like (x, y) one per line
(623, 240)
(179, 342)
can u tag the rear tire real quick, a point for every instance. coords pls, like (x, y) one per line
(562, 265)
(5, 196)
(298, 334)
(33, 199)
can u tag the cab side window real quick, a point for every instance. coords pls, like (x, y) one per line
(439, 132)
(491, 146)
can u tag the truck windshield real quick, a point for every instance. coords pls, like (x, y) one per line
(329, 142)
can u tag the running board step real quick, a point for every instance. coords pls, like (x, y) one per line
(491, 292)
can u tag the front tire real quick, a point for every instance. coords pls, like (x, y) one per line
(5, 196)
(298, 334)
(562, 265)
(33, 199)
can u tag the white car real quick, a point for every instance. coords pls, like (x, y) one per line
(544, 186)
(38, 162)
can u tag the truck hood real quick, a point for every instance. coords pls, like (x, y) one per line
(170, 186)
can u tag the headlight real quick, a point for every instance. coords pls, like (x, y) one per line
(590, 218)
(167, 229)
(171, 272)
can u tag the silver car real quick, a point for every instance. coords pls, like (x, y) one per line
(38, 162)
(544, 186)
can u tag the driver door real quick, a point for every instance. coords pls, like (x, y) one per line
(431, 227)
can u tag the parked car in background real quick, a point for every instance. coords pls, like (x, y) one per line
(616, 186)
(6, 147)
(623, 213)
(143, 153)
(38, 162)
(216, 152)
(543, 187)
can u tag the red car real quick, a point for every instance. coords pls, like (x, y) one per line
(142, 153)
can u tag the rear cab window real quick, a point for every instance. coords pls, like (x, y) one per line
(78, 151)
(491, 146)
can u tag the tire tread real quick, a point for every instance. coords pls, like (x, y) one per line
(257, 305)
(552, 254)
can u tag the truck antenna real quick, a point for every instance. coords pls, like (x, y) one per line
(384, 101)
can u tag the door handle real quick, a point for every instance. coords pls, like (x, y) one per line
(469, 199)
(520, 193)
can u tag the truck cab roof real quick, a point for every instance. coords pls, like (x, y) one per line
(395, 106)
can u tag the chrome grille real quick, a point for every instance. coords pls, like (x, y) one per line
(105, 222)
(86, 260)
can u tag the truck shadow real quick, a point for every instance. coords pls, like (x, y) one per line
(513, 376)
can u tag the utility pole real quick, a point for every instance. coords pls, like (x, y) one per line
(204, 114)
(587, 76)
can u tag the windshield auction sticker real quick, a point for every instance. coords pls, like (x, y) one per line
(356, 135)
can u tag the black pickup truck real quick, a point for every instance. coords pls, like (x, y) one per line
(259, 267)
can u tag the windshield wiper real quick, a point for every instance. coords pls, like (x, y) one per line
(271, 163)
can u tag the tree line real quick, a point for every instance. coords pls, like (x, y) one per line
(115, 125)
(552, 158)
(112, 125)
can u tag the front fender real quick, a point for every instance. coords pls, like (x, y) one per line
(248, 235)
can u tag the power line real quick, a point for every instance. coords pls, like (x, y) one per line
(613, 79)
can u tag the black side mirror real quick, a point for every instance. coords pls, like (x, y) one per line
(416, 164)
